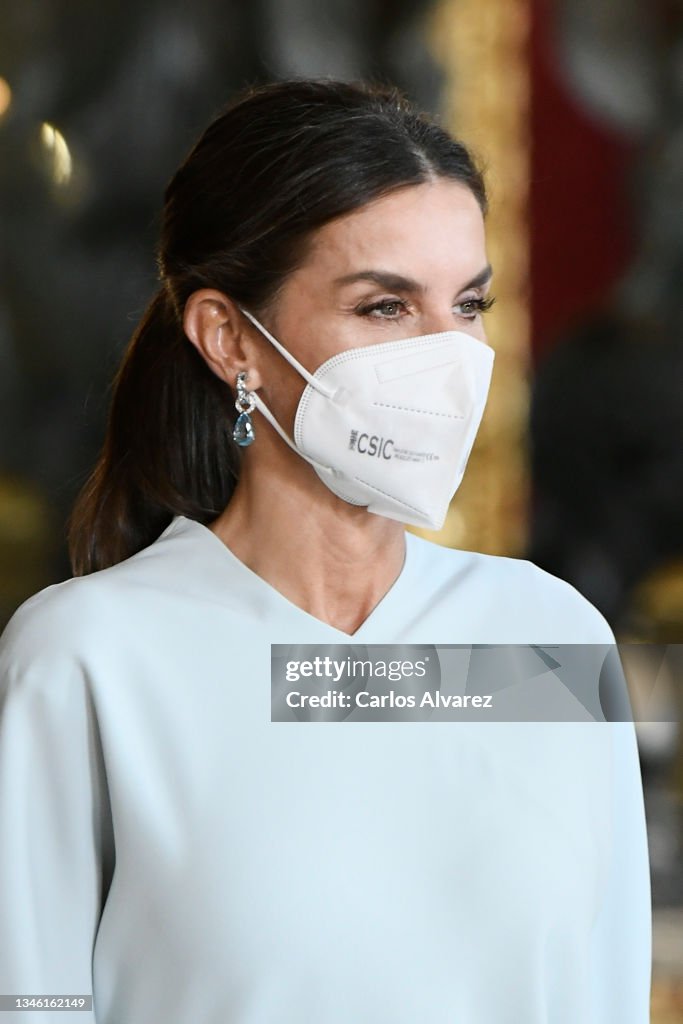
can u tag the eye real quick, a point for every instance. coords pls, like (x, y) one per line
(471, 308)
(384, 309)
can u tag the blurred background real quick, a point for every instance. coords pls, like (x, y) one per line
(575, 107)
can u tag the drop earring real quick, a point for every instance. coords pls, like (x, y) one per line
(243, 431)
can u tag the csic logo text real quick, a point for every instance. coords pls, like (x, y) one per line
(371, 444)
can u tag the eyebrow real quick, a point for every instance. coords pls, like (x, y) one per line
(398, 283)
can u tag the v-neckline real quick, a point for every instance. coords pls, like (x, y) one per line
(381, 611)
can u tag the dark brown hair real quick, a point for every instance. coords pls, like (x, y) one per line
(275, 165)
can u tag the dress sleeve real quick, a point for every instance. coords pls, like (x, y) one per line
(621, 937)
(55, 827)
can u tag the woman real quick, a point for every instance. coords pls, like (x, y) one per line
(165, 845)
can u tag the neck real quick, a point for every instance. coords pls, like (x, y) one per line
(334, 560)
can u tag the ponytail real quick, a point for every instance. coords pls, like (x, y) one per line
(167, 449)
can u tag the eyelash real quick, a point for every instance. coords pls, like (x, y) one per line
(480, 306)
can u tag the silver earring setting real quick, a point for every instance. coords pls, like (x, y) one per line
(243, 431)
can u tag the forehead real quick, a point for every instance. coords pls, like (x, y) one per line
(419, 231)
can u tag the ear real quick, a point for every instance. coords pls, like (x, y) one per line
(222, 335)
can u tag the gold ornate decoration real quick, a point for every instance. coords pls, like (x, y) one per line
(482, 47)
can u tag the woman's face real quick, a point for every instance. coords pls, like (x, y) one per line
(411, 263)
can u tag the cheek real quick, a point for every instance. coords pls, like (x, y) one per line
(281, 387)
(476, 329)
(317, 338)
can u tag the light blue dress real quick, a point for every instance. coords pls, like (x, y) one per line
(168, 848)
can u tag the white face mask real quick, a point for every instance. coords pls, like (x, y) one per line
(391, 426)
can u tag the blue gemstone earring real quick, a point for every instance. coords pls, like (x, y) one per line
(243, 431)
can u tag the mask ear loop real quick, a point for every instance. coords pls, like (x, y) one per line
(263, 408)
(313, 381)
